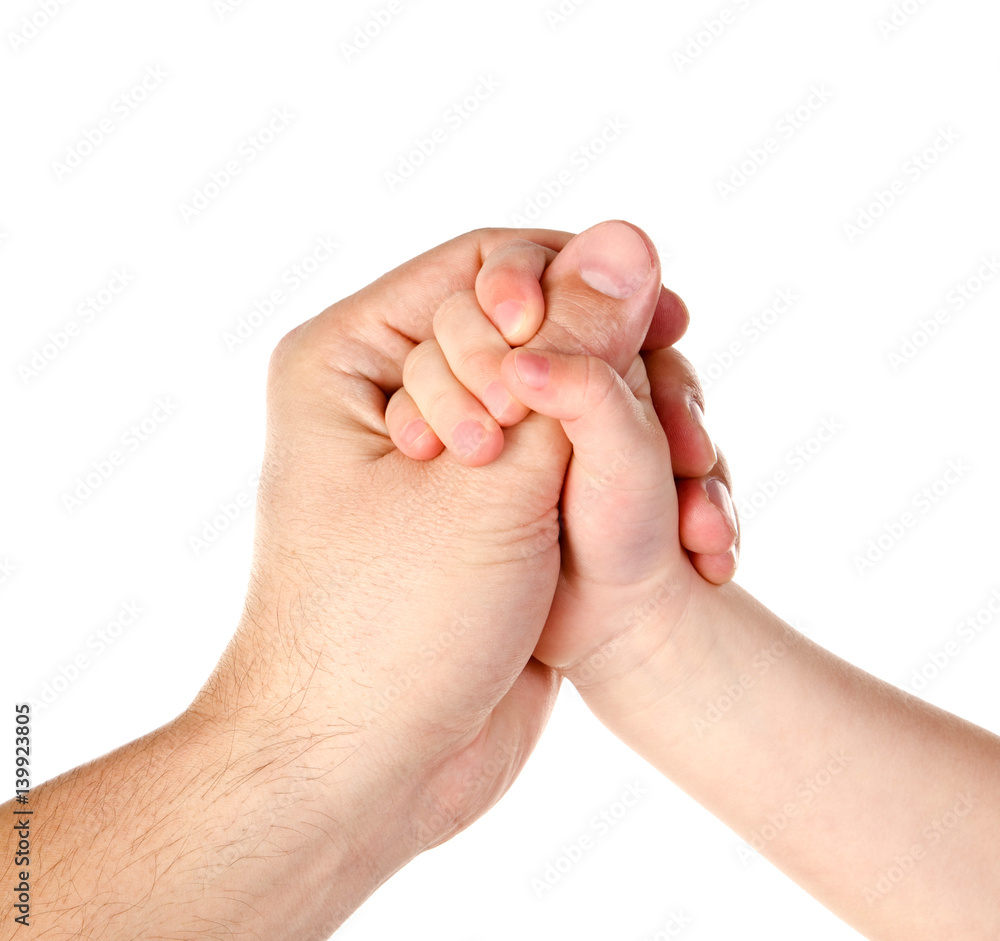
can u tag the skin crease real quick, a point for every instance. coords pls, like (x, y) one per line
(619, 511)
(448, 527)
(380, 691)
(883, 807)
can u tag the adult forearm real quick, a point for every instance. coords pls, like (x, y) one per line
(208, 828)
(883, 807)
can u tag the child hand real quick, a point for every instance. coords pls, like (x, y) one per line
(617, 496)
(622, 556)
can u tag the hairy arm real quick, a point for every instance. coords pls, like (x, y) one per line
(210, 828)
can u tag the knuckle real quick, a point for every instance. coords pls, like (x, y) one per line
(598, 384)
(484, 233)
(673, 377)
(397, 407)
(452, 309)
(418, 360)
(484, 238)
(636, 378)
(516, 249)
(581, 314)
(474, 366)
(285, 355)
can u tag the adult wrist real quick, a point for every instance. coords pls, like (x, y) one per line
(315, 822)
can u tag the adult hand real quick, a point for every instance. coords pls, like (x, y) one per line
(379, 693)
(396, 604)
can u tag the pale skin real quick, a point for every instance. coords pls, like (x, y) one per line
(376, 698)
(883, 807)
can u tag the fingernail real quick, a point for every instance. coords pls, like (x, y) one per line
(496, 398)
(698, 417)
(718, 493)
(467, 437)
(614, 259)
(508, 316)
(413, 431)
(532, 370)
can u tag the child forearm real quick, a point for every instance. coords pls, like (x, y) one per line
(883, 807)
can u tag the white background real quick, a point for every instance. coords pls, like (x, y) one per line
(686, 126)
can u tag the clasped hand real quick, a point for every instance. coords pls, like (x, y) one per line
(446, 527)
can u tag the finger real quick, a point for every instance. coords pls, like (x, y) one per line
(509, 289)
(679, 404)
(717, 569)
(474, 350)
(703, 531)
(455, 415)
(408, 429)
(707, 520)
(360, 342)
(709, 524)
(670, 321)
(722, 472)
(602, 418)
(601, 292)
